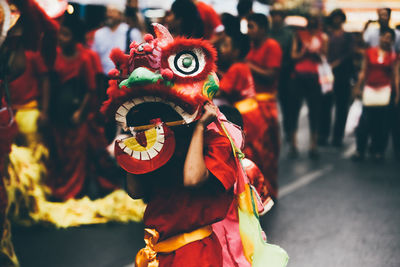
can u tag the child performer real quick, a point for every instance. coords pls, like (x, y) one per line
(178, 159)
(237, 85)
(72, 86)
(264, 60)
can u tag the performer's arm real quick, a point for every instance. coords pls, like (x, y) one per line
(134, 186)
(45, 85)
(396, 81)
(195, 171)
(361, 77)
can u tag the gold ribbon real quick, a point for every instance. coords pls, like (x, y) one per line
(246, 105)
(30, 105)
(147, 256)
(265, 96)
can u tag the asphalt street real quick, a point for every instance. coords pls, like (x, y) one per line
(331, 212)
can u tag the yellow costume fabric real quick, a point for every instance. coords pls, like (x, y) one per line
(28, 195)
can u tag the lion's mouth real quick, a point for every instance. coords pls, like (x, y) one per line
(139, 113)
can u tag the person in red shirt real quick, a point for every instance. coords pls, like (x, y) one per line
(26, 98)
(380, 72)
(237, 86)
(200, 175)
(72, 87)
(211, 20)
(184, 19)
(264, 60)
(309, 46)
(27, 29)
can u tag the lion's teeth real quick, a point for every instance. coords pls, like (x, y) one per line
(137, 101)
(144, 155)
(122, 111)
(136, 155)
(152, 152)
(128, 151)
(148, 98)
(128, 105)
(158, 146)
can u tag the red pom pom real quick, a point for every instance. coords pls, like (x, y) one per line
(114, 73)
(118, 57)
(147, 48)
(167, 74)
(133, 45)
(148, 37)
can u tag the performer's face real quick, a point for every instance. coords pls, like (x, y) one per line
(254, 31)
(65, 37)
(227, 52)
(386, 41)
(114, 17)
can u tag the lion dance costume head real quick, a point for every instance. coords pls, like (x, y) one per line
(162, 83)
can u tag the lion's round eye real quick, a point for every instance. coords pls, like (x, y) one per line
(187, 63)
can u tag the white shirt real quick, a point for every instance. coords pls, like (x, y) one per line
(371, 37)
(105, 40)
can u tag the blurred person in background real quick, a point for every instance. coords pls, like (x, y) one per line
(284, 35)
(184, 20)
(380, 73)
(309, 46)
(115, 33)
(134, 18)
(371, 35)
(24, 26)
(237, 86)
(264, 60)
(211, 21)
(231, 24)
(340, 57)
(244, 8)
(73, 85)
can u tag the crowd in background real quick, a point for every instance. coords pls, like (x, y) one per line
(266, 68)
(262, 64)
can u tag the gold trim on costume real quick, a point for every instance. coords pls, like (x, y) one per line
(265, 96)
(246, 105)
(147, 257)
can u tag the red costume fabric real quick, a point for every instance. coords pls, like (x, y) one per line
(379, 69)
(313, 45)
(271, 146)
(210, 18)
(238, 82)
(79, 65)
(238, 85)
(174, 209)
(267, 55)
(70, 145)
(228, 231)
(26, 87)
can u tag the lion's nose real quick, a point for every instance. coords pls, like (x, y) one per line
(141, 76)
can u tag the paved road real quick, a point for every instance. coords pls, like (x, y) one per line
(331, 212)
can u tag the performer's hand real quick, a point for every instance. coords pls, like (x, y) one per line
(43, 119)
(209, 114)
(357, 93)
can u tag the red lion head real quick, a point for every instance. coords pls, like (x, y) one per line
(161, 83)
